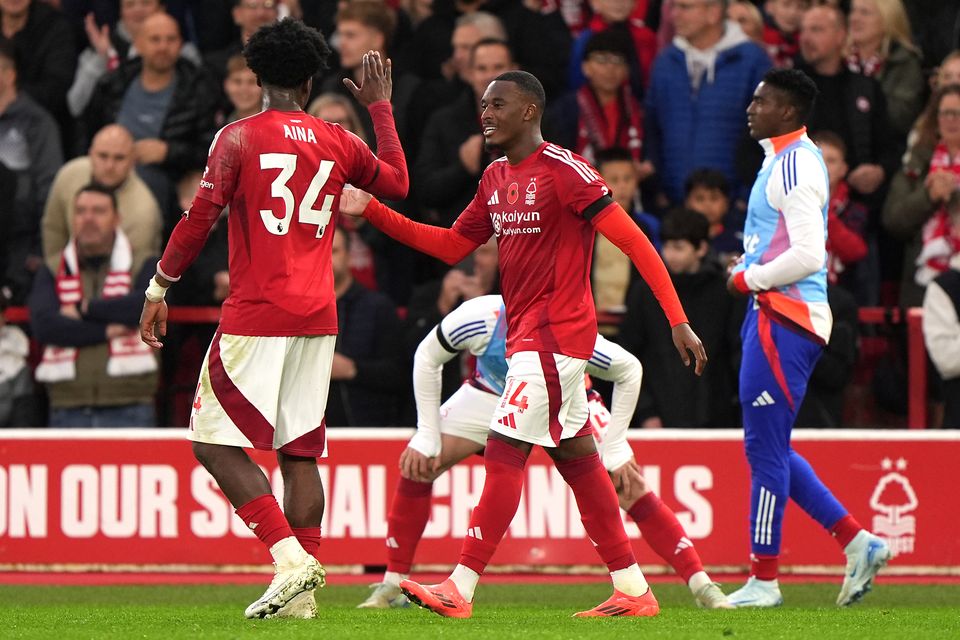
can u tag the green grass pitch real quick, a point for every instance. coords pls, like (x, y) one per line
(502, 612)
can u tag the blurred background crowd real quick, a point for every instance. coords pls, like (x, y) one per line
(107, 110)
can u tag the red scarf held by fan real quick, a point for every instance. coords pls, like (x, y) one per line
(939, 243)
(596, 132)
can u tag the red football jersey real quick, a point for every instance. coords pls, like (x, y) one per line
(281, 173)
(540, 211)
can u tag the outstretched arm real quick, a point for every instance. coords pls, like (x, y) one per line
(614, 223)
(443, 244)
(389, 178)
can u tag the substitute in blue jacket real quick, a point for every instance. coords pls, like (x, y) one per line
(788, 321)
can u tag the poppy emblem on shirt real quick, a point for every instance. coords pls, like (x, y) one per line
(513, 193)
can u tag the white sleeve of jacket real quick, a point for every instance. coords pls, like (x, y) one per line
(466, 328)
(614, 363)
(798, 189)
(941, 331)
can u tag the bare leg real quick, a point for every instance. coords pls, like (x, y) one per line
(240, 479)
(303, 501)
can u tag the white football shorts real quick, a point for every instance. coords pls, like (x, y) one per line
(544, 400)
(264, 392)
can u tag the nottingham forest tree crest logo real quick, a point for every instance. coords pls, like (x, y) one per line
(894, 499)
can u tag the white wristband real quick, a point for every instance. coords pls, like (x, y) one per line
(155, 291)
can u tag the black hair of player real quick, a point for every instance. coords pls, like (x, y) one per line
(528, 84)
(706, 178)
(286, 53)
(609, 41)
(685, 224)
(801, 92)
(96, 187)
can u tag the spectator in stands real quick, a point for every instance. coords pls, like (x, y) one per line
(617, 16)
(849, 104)
(934, 25)
(948, 72)
(30, 149)
(671, 397)
(364, 26)
(97, 371)
(248, 16)
(165, 102)
(941, 330)
(700, 87)
(602, 113)
(336, 109)
(369, 372)
(748, 16)
(611, 271)
(822, 406)
(707, 192)
(881, 46)
(43, 46)
(109, 47)
(470, 29)
(916, 210)
(16, 382)
(452, 153)
(243, 92)
(108, 163)
(781, 29)
(846, 218)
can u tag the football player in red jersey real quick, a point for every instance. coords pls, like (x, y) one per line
(544, 204)
(265, 379)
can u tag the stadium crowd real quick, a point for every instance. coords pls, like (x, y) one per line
(108, 108)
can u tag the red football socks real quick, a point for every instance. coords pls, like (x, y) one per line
(262, 515)
(498, 504)
(764, 567)
(665, 535)
(599, 510)
(309, 539)
(409, 513)
(845, 529)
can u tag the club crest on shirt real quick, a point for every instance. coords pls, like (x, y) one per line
(513, 193)
(531, 197)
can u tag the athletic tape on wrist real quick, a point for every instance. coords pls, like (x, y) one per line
(155, 291)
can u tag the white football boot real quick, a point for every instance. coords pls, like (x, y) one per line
(866, 555)
(757, 593)
(385, 596)
(303, 606)
(288, 582)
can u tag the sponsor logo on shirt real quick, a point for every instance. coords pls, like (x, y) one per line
(513, 223)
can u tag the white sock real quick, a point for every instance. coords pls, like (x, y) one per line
(287, 553)
(466, 580)
(393, 578)
(698, 581)
(630, 580)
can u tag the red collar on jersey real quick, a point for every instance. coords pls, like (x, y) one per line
(782, 142)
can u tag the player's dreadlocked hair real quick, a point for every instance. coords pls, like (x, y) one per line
(800, 90)
(528, 83)
(286, 53)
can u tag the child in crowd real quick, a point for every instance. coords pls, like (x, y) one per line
(846, 219)
(243, 92)
(781, 30)
(672, 397)
(611, 273)
(708, 193)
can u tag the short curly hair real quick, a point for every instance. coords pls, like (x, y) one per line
(286, 53)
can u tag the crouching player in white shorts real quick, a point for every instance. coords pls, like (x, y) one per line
(450, 433)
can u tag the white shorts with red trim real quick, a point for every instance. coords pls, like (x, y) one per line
(264, 392)
(466, 414)
(543, 399)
